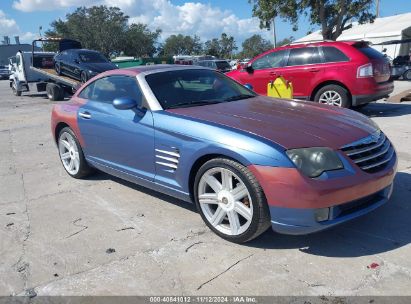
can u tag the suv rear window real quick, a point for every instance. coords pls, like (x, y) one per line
(370, 52)
(303, 56)
(332, 54)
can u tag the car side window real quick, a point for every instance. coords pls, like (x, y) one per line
(108, 88)
(270, 60)
(332, 54)
(303, 56)
(87, 92)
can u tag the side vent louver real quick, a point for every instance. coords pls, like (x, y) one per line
(168, 159)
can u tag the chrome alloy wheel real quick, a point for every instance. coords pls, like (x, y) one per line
(69, 154)
(331, 98)
(225, 201)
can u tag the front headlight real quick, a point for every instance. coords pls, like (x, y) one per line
(314, 161)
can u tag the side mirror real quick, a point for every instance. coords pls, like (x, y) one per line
(249, 86)
(249, 69)
(124, 103)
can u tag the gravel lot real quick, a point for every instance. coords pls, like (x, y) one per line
(105, 236)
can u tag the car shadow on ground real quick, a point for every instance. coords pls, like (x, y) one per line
(37, 95)
(386, 109)
(99, 175)
(385, 229)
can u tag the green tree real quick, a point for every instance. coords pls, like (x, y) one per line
(140, 41)
(222, 48)
(212, 47)
(100, 28)
(333, 16)
(181, 45)
(255, 45)
(227, 46)
(285, 41)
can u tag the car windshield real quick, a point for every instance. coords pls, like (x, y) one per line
(194, 87)
(92, 57)
(222, 65)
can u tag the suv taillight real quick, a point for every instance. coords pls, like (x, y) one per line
(365, 70)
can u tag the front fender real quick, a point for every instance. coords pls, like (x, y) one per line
(191, 139)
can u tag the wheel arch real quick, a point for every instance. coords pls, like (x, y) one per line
(60, 126)
(201, 161)
(329, 82)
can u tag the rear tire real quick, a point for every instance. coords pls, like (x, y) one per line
(71, 154)
(333, 94)
(231, 201)
(54, 92)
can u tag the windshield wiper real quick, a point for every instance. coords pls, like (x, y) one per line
(238, 97)
(193, 104)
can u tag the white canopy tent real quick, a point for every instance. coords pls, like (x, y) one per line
(396, 27)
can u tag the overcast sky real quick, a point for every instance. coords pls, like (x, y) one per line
(208, 19)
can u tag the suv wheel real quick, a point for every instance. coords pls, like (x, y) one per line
(407, 75)
(333, 95)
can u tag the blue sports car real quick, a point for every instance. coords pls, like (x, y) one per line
(248, 162)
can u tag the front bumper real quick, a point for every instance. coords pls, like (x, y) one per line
(294, 199)
(302, 221)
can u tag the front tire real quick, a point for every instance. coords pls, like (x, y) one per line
(71, 154)
(14, 89)
(407, 75)
(333, 95)
(58, 69)
(231, 201)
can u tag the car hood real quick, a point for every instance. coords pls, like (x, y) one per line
(291, 124)
(100, 67)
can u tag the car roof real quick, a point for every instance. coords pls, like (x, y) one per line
(317, 43)
(212, 60)
(296, 45)
(152, 69)
(81, 50)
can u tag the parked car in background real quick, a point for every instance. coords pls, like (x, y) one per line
(4, 72)
(248, 162)
(343, 73)
(81, 64)
(216, 64)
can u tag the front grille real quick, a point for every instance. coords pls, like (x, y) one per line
(359, 204)
(371, 153)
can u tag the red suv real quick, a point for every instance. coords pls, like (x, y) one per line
(343, 73)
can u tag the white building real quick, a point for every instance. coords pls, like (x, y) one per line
(385, 29)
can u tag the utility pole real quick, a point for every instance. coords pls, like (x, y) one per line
(274, 34)
(377, 6)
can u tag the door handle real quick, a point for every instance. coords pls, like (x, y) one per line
(273, 74)
(85, 115)
(314, 70)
